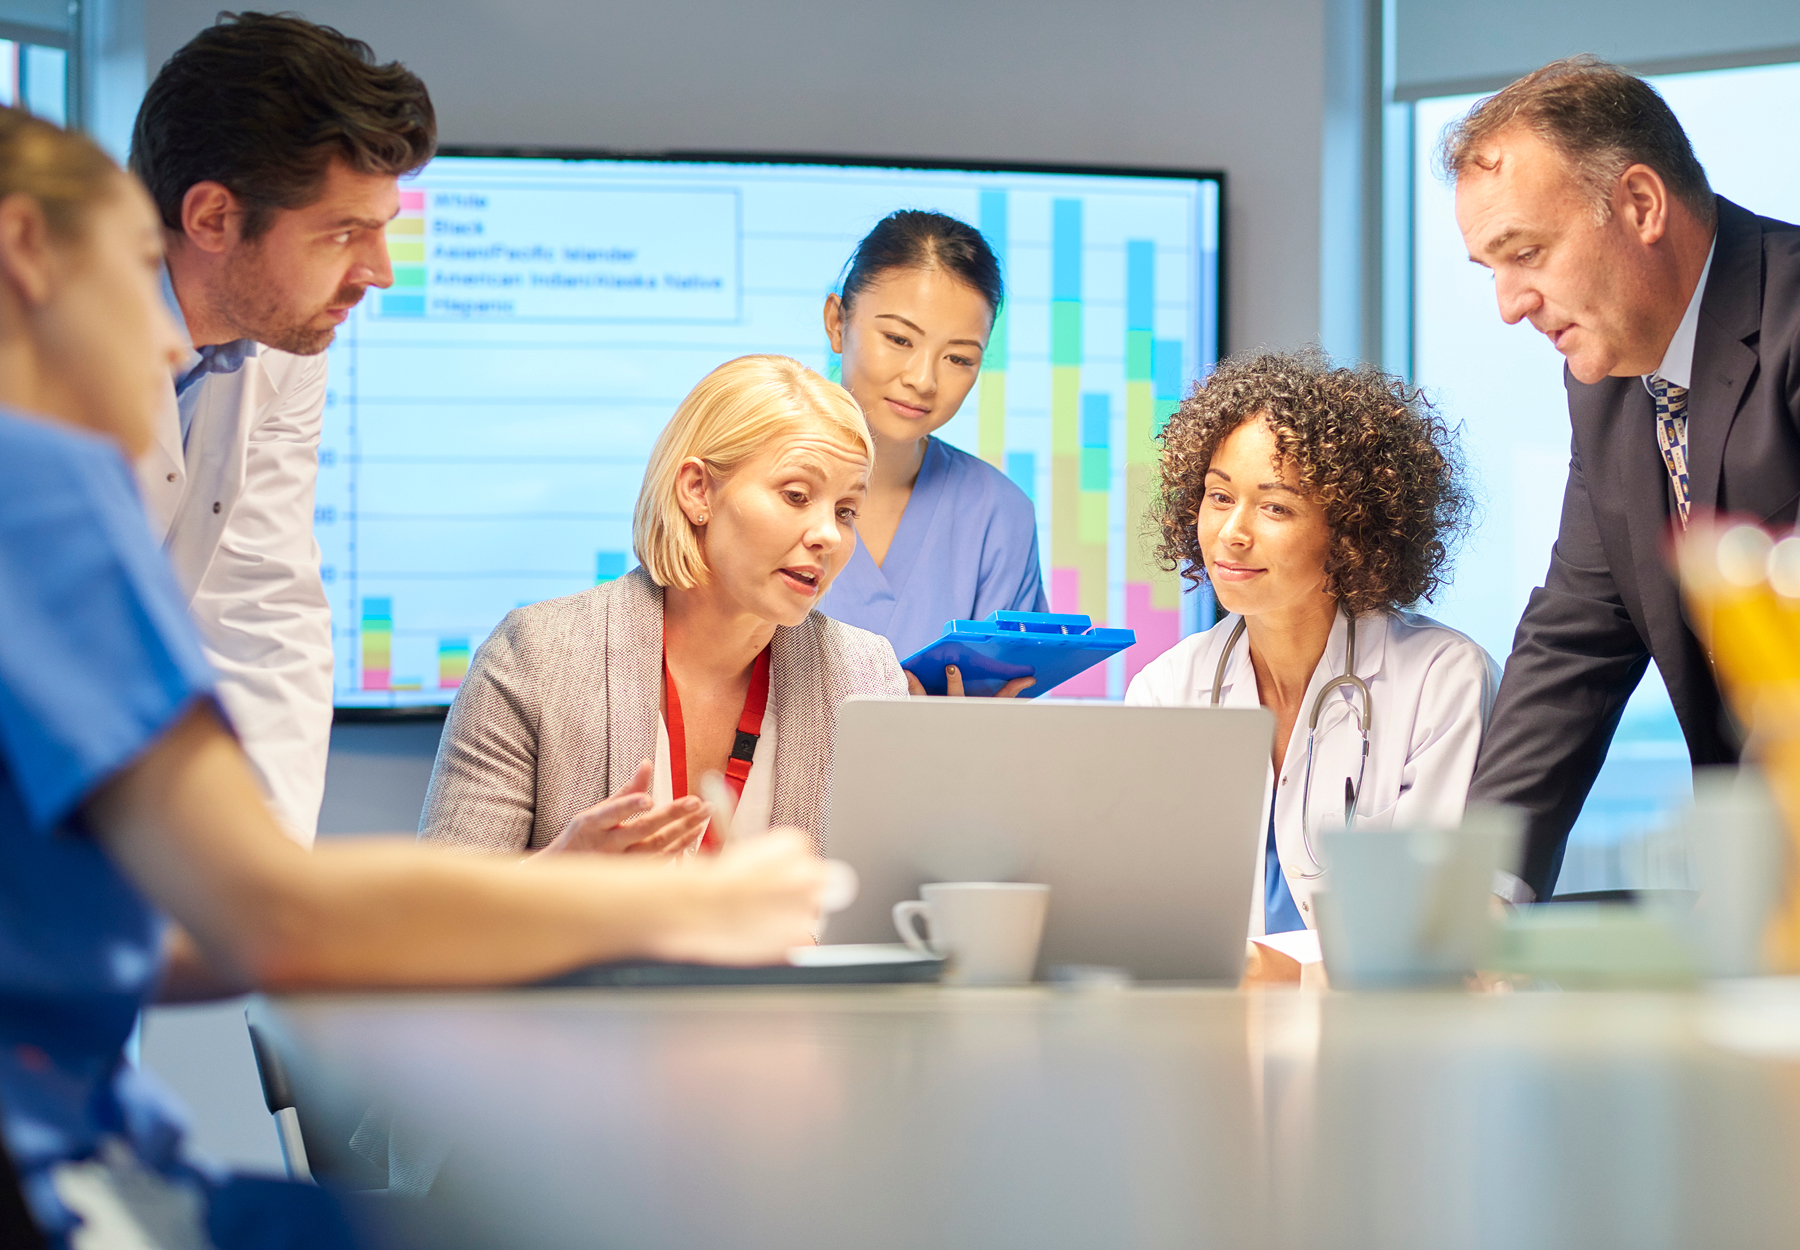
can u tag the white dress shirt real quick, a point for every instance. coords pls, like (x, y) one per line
(1677, 367)
(228, 486)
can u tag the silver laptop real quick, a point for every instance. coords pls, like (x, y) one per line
(1142, 820)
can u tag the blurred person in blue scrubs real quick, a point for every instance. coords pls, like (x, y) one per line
(943, 535)
(137, 854)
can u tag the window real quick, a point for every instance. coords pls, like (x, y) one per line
(1504, 383)
(36, 37)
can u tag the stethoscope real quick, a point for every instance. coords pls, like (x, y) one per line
(1347, 678)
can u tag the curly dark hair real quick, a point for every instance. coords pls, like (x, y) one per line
(1368, 448)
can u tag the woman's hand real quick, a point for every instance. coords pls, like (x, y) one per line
(953, 685)
(749, 904)
(627, 823)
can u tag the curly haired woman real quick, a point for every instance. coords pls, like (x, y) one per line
(1320, 504)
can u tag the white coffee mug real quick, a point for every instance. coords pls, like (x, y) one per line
(988, 930)
(1405, 906)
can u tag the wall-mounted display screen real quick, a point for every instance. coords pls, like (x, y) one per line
(490, 415)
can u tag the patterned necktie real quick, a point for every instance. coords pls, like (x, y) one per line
(1671, 436)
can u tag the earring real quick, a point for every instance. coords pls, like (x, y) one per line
(701, 519)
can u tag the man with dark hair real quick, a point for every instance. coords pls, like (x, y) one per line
(1678, 315)
(272, 148)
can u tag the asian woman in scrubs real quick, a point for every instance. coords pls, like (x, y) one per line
(1321, 504)
(943, 535)
(137, 856)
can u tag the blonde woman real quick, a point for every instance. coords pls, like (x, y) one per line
(711, 656)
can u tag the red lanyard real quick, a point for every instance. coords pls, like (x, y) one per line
(743, 751)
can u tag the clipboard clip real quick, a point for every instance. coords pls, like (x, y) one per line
(1042, 622)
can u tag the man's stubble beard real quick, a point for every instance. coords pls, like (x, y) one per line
(251, 304)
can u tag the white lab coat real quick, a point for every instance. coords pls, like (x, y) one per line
(1432, 689)
(235, 516)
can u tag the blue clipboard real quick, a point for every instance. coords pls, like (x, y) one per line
(1049, 646)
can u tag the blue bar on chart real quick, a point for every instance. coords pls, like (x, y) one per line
(1021, 467)
(1096, 443)
(609, 566)
(1165, 369)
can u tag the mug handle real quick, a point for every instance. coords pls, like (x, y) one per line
(905, 913)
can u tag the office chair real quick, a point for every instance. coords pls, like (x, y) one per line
(278, 1096)
(313, 1130)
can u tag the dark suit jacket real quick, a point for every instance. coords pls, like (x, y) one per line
(1609, 603)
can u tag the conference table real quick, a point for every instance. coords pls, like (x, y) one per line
(938, 1117)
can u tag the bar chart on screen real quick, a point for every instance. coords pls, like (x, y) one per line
(489, 416)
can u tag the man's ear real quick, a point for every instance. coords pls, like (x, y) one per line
(1645, 200)
(26, 260)
(211, 216)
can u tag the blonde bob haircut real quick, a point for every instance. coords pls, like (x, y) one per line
(731, 415)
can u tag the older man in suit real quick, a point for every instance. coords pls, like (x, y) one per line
(1678, 315)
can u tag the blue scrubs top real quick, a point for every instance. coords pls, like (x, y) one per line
(966, 546)
(97, 660)
(1280, 915)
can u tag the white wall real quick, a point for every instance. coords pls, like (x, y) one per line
(1232, 84)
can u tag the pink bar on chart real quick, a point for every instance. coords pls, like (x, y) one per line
(1158, 629)
(1065, 596)
(1090, 684)
(412, 201)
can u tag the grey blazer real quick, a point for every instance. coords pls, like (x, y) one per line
(561, 705)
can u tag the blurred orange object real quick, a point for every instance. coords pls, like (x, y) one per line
(1742, 589)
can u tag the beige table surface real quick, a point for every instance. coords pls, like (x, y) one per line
(948, 1118)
